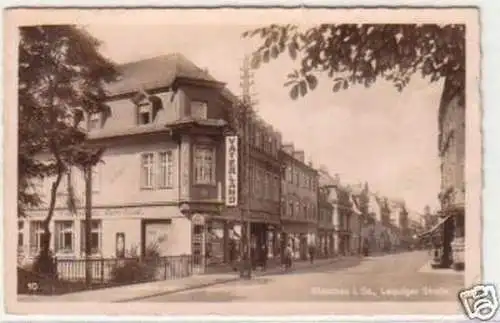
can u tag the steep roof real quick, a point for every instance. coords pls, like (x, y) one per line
(159, 71)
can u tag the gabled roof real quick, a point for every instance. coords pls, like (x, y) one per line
(156, 72)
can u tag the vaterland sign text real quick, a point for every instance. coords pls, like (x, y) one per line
(231, 170)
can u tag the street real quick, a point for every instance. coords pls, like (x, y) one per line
(394, 277)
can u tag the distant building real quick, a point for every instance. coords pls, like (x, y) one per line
(299, 200)
(337, 204)
(325, 240)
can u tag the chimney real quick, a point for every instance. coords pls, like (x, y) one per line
(288, 148)
(299, 155)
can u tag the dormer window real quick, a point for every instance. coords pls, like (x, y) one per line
(199, 109)
(145, 113)
(148, 107)
(95, 121)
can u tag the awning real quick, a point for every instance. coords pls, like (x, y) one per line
(435, 227)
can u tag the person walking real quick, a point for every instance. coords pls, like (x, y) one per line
(288, 257)
(312, 250)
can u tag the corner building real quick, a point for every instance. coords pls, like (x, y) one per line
(162, 179)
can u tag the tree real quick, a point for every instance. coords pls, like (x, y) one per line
(352, 54)
(61, 79)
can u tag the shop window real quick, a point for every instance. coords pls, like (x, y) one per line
(166, 169)
(36, 236)
(95, 237)
(64, 237)
(199, 109)
(147, 162)
(204, 165)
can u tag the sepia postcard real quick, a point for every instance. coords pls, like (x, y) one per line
(243, 161)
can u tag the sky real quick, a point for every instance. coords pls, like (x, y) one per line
(376, 135)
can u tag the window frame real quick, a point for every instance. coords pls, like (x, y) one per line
(94, 117)
(147, 104)
(165, 177)
(196, 178)
(60, 236)
(201, 103)
(151, 171)
(36, 234)
(92, 231)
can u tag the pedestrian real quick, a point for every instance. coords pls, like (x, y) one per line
(311, 253)
(288, 256)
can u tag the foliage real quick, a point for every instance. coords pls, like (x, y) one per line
(353, 54)
(61, 78)
(45, 264)
(135, 268)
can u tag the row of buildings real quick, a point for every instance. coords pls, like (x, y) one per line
(173, 175)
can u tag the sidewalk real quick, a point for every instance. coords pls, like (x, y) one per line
(140, 291)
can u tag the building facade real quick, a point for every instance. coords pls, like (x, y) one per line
(325, 232)
(346, 225)
(299, 201)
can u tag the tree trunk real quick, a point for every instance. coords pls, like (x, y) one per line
(45, 260)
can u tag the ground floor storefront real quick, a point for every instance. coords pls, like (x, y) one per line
(300, 236)
(210, 239)
(447, 239)
(326, 243)
(223, 242)
(115, 232)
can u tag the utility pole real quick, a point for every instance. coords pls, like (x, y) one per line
(245, 116)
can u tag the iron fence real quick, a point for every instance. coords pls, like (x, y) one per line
(70, 274)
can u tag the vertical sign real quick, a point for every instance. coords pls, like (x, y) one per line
(231, 170)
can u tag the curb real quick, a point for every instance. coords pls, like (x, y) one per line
(219, 282)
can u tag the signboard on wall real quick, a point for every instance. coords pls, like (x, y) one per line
(231, 170)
